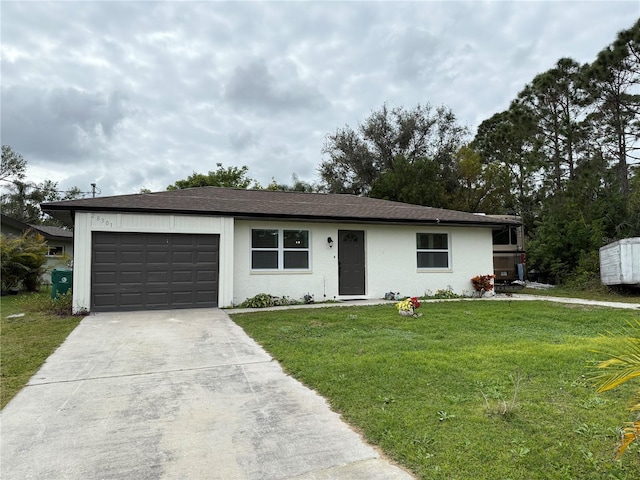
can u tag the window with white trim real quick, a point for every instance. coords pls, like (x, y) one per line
(55, 250)
(279, 249)
(433, 250)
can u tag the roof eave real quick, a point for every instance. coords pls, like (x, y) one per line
(66, 215)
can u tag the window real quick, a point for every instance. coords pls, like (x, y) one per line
(264, 249)
(55, 251)
(506, 236)
(279, 249)
(433, 250)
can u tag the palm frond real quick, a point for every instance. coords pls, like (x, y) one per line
(624, 363)
(630, 434)
(622, 366)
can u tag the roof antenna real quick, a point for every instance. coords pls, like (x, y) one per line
(93, 190)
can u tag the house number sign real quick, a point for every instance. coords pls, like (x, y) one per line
(101, 220)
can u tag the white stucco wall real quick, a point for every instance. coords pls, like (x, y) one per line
(86, 222)
(390, 256)
(321, 280)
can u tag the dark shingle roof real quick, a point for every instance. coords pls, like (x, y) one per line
(268, 204)
(46, 230)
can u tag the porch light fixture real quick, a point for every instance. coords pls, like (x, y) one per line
(330, 242)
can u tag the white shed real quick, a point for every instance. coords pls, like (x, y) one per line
(620, 262)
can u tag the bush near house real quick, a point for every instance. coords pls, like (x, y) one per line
(264, 300)
(23, 261)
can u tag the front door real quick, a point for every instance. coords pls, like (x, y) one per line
(351, 262)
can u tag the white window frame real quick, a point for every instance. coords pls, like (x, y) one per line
(52, 247)
(281, 249)
(434, 250)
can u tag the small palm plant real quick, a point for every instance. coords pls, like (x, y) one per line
(620, 368)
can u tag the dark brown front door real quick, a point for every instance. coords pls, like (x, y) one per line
(351, 262)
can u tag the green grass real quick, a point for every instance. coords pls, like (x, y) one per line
(431, 391)
(26, 342)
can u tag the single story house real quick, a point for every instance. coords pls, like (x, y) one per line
(216, 247)
(59, 241)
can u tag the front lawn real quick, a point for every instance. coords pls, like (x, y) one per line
(438, 393)
(27, 341)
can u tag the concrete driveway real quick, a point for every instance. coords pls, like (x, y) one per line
(182, 394)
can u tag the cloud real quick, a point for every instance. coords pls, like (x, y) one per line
(59, 123)
(253, 86)
(141, 94)
(242, 140)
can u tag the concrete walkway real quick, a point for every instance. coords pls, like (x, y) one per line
(575, 301)
(174, 395)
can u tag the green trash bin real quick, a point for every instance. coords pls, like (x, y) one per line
(61, 281)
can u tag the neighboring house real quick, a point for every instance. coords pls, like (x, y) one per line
(59, 241)
(209, 246)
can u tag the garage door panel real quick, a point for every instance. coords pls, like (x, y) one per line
(157, 277)
(104, 257)
(206, 257)
(104, 299)
(158, 239)
(131, 277)
(206, 276)
(157, 298)
(188, 277)
(183, 257)
(132, 258)
(182, 297)
(131, 299)
(129, 239)
(157, 257)
(134, 271)
(107, 277)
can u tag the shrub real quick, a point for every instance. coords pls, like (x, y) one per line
(62, 305)
(446, 293)
(23, 261)
(264, 300)
(483, 283)
(261, 300)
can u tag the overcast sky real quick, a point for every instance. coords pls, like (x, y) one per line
(133, 95)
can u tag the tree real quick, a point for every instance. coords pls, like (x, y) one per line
(477, 182)
(297, 185)
(13, 165)
(613, 79)
(22, 200)
(556, 100)
(230, 177)
(387, 142)
(563, 157)
(505, 142)
(416, 182)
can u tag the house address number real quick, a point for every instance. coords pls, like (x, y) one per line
(98, 219)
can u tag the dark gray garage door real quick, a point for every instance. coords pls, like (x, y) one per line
(153, 271)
